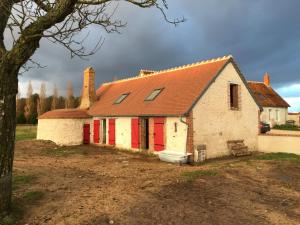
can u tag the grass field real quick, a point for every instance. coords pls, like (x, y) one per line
(25, 132)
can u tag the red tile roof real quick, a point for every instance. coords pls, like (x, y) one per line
(266, 96)
(182, 87)
(65, 114)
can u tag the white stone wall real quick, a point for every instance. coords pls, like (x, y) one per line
(61, 131)
(176, 140)
(215, 123)
(279, 143)
(274, 116)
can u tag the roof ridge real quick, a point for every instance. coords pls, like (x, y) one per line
(252, 81)
(172, 69)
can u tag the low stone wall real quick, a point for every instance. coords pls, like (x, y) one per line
(284, 132)
(279, 143)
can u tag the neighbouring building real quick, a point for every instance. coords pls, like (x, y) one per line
(294, 117)
(202, 104)
(275, 108)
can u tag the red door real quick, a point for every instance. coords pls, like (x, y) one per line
(135, 140)
(96, 131)
(86, 133)
(159, 137)
(112, 131)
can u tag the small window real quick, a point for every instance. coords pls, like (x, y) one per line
(153, 94)
(270, 110)
(121, 98)
(234, 96)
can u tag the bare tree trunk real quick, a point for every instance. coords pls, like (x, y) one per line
(8, 91)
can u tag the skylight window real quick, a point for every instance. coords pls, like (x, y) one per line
(121, 98)
(261, 96)
(154, 94)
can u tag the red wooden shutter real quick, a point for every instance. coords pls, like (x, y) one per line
(135, 140)
(96, 131)
(112, 132)
(159, 136)
(86, 133)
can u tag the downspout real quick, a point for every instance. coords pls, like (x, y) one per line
(182, 121)
(187, 133)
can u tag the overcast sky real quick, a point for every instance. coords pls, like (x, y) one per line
(262, 35)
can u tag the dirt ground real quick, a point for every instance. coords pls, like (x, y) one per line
(91, 185)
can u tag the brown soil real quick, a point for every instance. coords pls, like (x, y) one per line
(92, 185)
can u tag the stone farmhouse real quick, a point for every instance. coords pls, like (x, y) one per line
(275, 108)
(208, 103)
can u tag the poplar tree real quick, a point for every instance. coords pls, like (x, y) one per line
(70, 100)
(28, 110)
(18, 109)
(54, 103)
(41, 106)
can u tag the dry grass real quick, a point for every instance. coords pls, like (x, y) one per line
(92, 185)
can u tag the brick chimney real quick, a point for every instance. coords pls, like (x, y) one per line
(88, 95)
(267, 79)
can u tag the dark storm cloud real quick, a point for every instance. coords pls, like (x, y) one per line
(261, 35)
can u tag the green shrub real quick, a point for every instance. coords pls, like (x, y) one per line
(33, 119)
(21, 119)
(286, 127)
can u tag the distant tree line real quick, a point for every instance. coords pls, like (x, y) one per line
(30, 108)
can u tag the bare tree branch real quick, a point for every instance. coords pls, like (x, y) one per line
(44, 5)
(61, 21)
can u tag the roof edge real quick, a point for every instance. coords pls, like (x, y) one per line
(227, 57)
(65, 114)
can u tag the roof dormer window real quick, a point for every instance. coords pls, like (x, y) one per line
(121, 98)
(154, 94)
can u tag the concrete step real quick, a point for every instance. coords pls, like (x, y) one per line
(241, 151)
(235, 141)
(232, 143)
